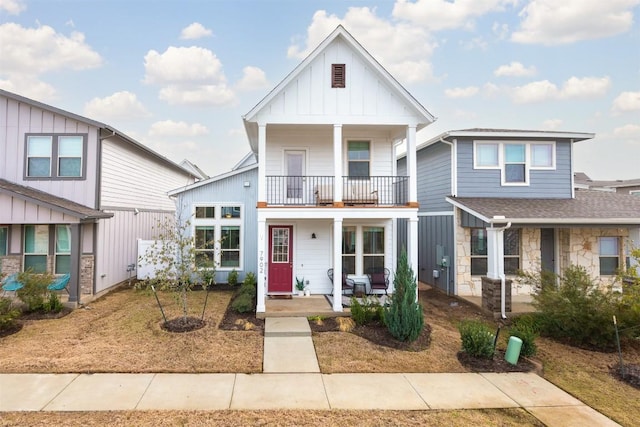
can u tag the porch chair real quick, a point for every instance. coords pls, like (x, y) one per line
(378, 279)
(60, 283)
(11, 284)
(347, 284)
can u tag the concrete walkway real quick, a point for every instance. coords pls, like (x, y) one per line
(291, 380)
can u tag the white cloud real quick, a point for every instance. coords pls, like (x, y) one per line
(625, 102)
(119, 106)
(500, 30)
(39, 50)
(13, 7)
(403, 49)
(475, 43)
(558, 22)
(253, 78)
(30, 87)
(490, 89)
(552, 124)
(515, 69)
(189, 76)
(195, 31)
(630, 131)
(461, 92)
(436, 15)
(173, 128)
(574, 87)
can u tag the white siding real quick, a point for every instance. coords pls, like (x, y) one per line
(130, 178)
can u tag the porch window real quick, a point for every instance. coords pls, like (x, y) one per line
(230, 246)
(358, 156)
(609, 256)
(372, 248)
(36, 247)
(479, 260)
(205, 244)
(349, 250)
(4, 240)
(63, 249)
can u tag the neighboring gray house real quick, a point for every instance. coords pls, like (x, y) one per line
(494, 201)
(222, 214)
(76, 194)
(621, 186)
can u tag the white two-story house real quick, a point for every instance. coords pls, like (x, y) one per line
(328, 191)
(76, 194)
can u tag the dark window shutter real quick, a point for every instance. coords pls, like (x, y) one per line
(338, 75)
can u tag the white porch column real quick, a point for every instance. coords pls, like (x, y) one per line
(337, 264)
(412, 247)
(495, 252)
(337, 164)
(412, 167)
(262, 162)
(262, 267)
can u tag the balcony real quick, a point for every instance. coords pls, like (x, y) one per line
(318, 190)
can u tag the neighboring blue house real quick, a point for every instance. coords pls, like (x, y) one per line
(222, 215)
(495, 201)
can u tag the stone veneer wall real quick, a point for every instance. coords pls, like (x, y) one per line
(10, 264)
(87, 263)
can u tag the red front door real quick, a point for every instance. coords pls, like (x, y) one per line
(280, 258)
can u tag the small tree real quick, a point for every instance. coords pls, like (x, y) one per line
(174, 255)
(404, 317)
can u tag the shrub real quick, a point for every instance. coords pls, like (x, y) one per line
(250, 279)
(52, 304)
(243, 303)
(232, 278)
(477, 339)
(248, 288)
(525, 328)
(577, 311)
(366, 312)
(403, 317)
(35, 292)
(8, 313)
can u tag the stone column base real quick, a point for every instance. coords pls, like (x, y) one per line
(491, 294)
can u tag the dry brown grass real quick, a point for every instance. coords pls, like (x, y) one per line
(121, 333)
(489, 417)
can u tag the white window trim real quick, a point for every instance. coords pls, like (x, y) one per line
(345, 155)
(218, 222)
(634, 192)
(502, 163)
(359, 255)
(619, 255)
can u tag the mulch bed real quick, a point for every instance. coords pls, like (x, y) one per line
(183, 324)
(631, 374)
(40, 315)
(234, 321)
(497, 364)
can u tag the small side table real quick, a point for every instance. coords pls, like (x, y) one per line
(359, 289)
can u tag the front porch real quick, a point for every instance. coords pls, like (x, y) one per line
(314, 305)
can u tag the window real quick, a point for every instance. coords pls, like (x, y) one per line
(479, 251)
(634, 192)
(218, 235)
(372, 248)
(514, 160)
(358, 157)
(36, 247)
(230, 246)
(55, 156)
(515, 165)
(4, 240)
(63, 249)
(609, 256)
(349, 250)
(338, 76)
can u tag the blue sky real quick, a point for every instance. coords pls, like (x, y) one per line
(179, 75)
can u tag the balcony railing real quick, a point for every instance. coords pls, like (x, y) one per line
(318, 190)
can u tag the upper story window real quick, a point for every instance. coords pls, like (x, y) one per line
(634, 192)
(55, 156)
(338, 76)
(514, 159)
(359, 157)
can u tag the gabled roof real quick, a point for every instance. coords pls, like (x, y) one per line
(583, 179)
(588, 207)
(97, 124)
(50, 201)
(339, 32)
(213, 179)
(194, 169)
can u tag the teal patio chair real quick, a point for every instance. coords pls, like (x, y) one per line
(11, 284)
(60, 283)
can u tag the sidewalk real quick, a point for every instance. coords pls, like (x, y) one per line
(295, 387)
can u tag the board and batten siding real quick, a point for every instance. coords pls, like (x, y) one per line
(18, 119)
(546, 184)
(309, 98)
(133, 179)
(229, 191)
(434, 231)
(17, 211)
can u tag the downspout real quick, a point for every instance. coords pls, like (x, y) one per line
(503, 278)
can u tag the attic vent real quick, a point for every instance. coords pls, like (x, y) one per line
(338, 75)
